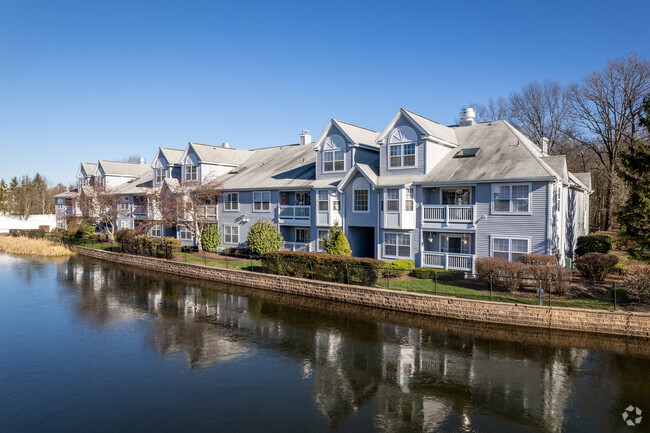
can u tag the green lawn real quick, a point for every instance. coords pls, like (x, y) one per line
(446, 289)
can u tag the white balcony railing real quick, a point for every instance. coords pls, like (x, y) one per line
(296, 246)
(295, 213)
(448, 213)
(458, 262)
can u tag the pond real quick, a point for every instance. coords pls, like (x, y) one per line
(88, 346)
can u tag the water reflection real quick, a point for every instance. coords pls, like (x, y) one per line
(413, 378)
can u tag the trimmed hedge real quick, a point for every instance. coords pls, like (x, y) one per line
(596, 266)
(28, 233)
(398, 267)
(442, 274)
(539, 259)
(505, 275)
(325, 267)
(637, 277)
(131, 243)
(594, 244)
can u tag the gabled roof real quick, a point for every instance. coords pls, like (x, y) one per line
(356, 135)
(210, 154)
(583, 180)
(88, 168)
(557, 163)
(118, 168)
(67, 194)
(369, 171)
(426, 126)
(273, 167)
(139, 186)
(173, 156)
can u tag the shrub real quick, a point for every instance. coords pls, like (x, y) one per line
(237, 252)
(263, 237)
(399, 267)
(147, 247)
(336, 242)
(28, 233)
(102, 238)
(44, 228)
(539, 259)
(442, 274)
(596, 266)
(637, 278)
(324, 267)
(169, 247)
(211, 238)
(594, 244)
(505, 274)
(126, 239)
(551, 277)
(73, 226)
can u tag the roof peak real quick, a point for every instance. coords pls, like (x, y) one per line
(352, 124)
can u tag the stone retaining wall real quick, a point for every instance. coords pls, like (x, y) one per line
(570, 319)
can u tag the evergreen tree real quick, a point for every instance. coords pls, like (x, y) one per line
(211, 238)
(336, 242)
(263, 237)
(634, 215)
(4, 197)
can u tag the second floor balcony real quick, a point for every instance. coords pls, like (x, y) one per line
(295, 215)
(448, 214)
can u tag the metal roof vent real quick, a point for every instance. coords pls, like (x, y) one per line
(467, 117)
(226, 144)
(142, 160)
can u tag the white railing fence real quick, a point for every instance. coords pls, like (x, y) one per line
(448, 213)
(459, 262)
(295, 212)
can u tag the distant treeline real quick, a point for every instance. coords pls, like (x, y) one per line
(28, 196)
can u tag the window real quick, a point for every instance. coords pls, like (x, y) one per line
(191, 173)
(333, 160)
(336, 204)
(231, 234)
(392, 199)
(124, 203)
(231, 201)
(402, 155)
(322, 234)
(303, 236)
(184, 234)
(397, 245)
(510, 248)
(125, 225)
(408, 200)
(261, 201)
(361, 189)
(467, 153)
(160, 175)
(456, 197)
(511, 198)
(455, 244)
(323, 200)
(155, 231)
(303, 199)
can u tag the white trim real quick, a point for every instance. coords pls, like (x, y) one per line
(510, 239)
(231, 226)
(397, 245)
(354, 190)
(511, 212)
(225, 195)
(318, 238)
(269, 202)
(296, 235)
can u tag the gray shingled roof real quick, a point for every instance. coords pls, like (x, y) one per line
(273, 167)
(220, 155)
(173, 156)
(89, 168)
(583, 178)
(118, 168)
(434, 129)
(67, 194)
(358, 134)
(139, 186)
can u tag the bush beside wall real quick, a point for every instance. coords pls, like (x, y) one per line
(595, 243)
(596, 266)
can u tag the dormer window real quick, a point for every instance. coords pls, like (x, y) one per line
(333, 154)
(401, 148)
(160, 175)
(191, 171)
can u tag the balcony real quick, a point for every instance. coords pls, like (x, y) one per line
(453, 261)
(295, 215)
(448, 214)
(296, 246)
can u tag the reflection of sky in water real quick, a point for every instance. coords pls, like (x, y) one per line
(137, 352)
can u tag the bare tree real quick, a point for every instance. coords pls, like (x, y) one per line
(100, 206)
(492, 111)
(189, 205)
(605, 108)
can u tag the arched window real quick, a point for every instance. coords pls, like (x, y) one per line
(191, 172)
(160, 171)
(401, 147)
(333, 154)
(361, 195)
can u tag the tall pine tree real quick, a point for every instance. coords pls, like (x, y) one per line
(634, 169)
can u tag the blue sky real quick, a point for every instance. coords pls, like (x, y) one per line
(89, 80)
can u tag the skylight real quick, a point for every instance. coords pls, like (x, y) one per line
(466, 153)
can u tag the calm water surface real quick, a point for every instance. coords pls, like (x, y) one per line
(89, 347)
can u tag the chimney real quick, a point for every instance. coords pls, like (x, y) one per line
(226, 144)
(305, 138)
(467, 117)
(142, 160)
(544, 146)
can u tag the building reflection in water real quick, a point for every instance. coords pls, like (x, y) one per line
(419, 380)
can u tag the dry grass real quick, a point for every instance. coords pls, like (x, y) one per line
(32, 247)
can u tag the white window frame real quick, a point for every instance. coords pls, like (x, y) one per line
(261, 201)
(397, 244)
(302, 196)
(185, 234)
(509, 239)
(401, 155)
(303, 229)
(393, 200)
(319, 242)
(455, 189)
(156, 231)
(510, 210)
(409, 196)
(319, 198)
(356, 188)
(230, 205)
(124, 203)
(125, 225)
(160, 174)
(231, 238)
(334, 160)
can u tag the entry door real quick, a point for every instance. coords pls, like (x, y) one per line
(454, 245)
